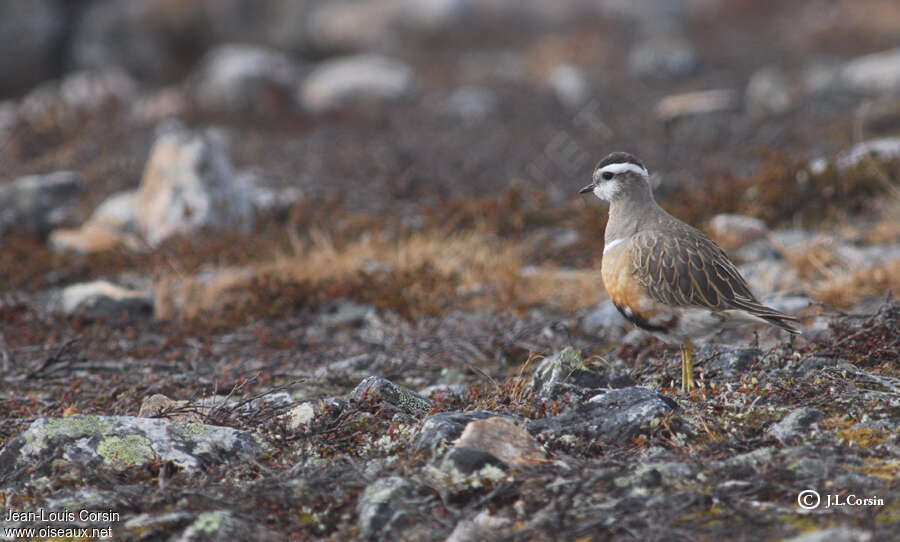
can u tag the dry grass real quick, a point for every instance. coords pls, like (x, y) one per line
(844, 289)
(423, 273)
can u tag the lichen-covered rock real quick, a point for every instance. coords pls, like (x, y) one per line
(795, 423)
(390, 509)
(121, 442)
(224, 526)
(377, 389)
(565, 376)
(610, 417)
(35, 204)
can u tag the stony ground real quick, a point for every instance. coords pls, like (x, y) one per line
(379, 315)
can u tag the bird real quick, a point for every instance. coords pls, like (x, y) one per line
(663, 275)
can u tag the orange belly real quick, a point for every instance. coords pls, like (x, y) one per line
(629, 296)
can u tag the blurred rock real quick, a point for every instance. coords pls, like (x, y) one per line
(471, 103)
(768, 92)
(245, 79)
(605, 318)
(35, 204)
(879, 116)
(389, 509)
(222, 526)
(767, 276)
(377, 389)
(102, 299)
(376, 24)
(30, 35)
(731, 230)
(146, 39)
(569, 84)
(356, 80)
(795, 423)
(695, 104)
(113, 223)
(663, 55)
(876, 73)
(188, 184)
(504, 440)
(86, 442)
(884, 148)
(482, 528)
(833, 534)
(76, 95)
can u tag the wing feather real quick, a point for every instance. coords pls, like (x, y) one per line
(689, 269)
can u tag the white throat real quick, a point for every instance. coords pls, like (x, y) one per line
(607, 190)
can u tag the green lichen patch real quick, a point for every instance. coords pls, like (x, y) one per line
(125, 451)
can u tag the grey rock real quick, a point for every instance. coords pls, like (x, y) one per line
(223, 526)
(361, 80)
(30, 34)
(445, 390)
(795, 423)
(789, 304)
(113, 223)
(884, 148)
(814, 365)
(313, 413)
(362, 363)
(737, 230)
(136, 36)
(504, 439)
(35, 204)
(77, 94)
(767, 276)
(726, 360)
(565, 376)
(189, 184)
(761, 249)
(663, 55)
(389, 509)
(603, 318)
(868, 256)
(103, 299)
(569, 84)
(441, 429)
(876, 73)
(610, 417)
(834, 534)
(377, 24)
(482, 528)
(464, 462)
(471, 103)
(377, 389)
(245, 79)
(768, 93)
(121, 442)
(348, 313)
(696, 104)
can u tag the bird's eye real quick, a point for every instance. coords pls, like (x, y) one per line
(607, 175)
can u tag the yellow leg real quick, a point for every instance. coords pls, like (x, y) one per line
(687, 366)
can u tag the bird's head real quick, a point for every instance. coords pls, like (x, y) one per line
(617, 174)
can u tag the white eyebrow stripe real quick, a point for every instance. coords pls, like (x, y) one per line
(621, 167)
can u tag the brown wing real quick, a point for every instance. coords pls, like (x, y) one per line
(687, 269)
